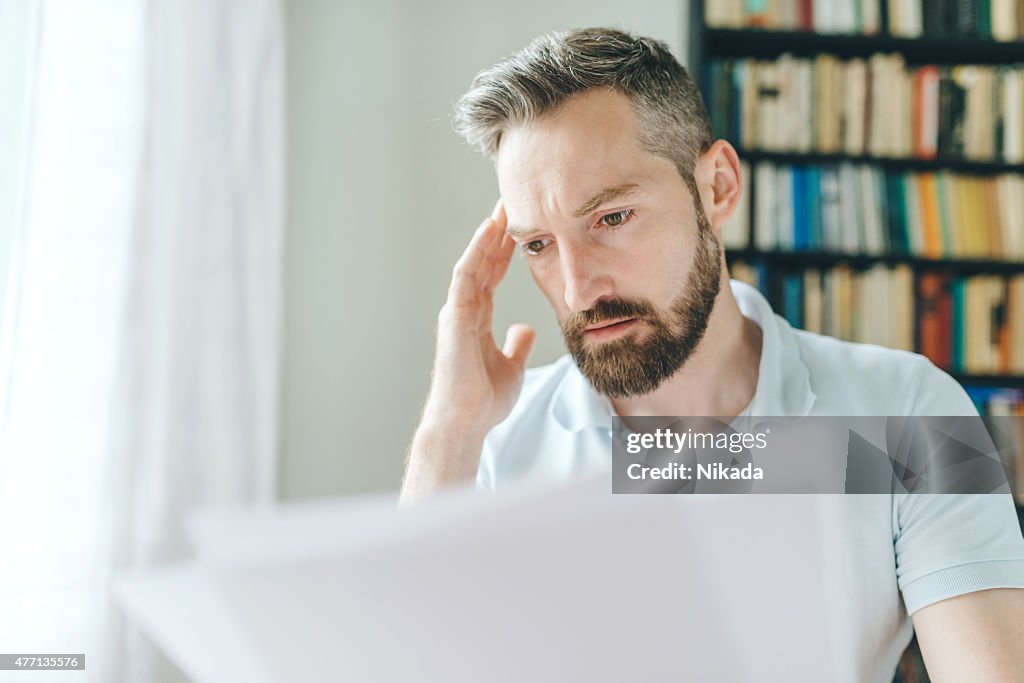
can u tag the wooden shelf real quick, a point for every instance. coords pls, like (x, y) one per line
(965, 166)
(828, 259)
(996, 381)
(766, 44)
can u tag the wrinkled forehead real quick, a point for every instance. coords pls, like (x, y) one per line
(560, 160)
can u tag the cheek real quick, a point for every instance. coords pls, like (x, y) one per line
(549, 281)
(662, 267)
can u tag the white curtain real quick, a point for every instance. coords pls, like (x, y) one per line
(140, 337)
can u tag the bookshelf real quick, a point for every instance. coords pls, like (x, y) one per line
(724, 42)
(922, 52)
(826, 259)
(896, 163)
(711, 43)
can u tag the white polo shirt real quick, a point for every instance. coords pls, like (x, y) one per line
(905, 551)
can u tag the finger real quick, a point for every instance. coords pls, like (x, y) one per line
(486, 315)
(518, 344)
(480, 245)
(467, 276)
(498, 214)
(502, 259)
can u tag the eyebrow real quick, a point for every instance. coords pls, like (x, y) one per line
(602, 197)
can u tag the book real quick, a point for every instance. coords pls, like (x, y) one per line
(879, 106)
(972, 324)
(998, 20)
(866, 209)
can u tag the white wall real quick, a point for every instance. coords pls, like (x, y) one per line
(382, 198)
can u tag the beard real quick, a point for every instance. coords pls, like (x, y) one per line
(632, 366)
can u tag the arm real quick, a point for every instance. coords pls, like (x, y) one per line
(440, 455)
(474, 384)
(961, 566)
(974, 637)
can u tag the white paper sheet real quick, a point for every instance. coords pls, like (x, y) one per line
(184, 614)
(562, 582)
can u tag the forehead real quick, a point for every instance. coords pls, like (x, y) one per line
(556, 163)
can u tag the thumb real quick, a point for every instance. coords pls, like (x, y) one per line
(518, 343)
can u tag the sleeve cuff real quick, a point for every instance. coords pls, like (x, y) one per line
(961, 579)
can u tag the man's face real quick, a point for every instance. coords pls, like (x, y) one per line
(614, 240)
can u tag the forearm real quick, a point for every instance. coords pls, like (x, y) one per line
(976, 636)
(439, 457)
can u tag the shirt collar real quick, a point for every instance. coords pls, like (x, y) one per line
(783, 382)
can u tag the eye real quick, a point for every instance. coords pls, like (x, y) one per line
(534, 247)
(616, 219)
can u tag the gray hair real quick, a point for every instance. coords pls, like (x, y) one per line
(674, 123)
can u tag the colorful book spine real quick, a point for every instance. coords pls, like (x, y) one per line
(937, 215)
(985, 19)
(969, 325)
(880, 107)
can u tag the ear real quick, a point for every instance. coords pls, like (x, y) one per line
(720, 183)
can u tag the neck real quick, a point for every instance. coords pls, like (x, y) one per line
(718, 379)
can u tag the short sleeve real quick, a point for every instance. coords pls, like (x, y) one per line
(951, 544)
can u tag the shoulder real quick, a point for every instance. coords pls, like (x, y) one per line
(872, 379)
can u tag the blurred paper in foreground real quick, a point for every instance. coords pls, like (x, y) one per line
(562, 582)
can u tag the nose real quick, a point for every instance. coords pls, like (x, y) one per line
(586, 281)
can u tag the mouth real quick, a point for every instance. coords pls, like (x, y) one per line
(607, 323)
(609, 329)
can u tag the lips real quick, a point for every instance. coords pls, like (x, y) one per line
(604, 324)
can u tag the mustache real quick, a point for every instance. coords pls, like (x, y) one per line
(607, 310)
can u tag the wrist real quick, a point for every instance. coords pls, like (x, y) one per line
(451, 426)
(449, 432)
(442, 453)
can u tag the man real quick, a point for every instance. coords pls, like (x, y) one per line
(616, 192)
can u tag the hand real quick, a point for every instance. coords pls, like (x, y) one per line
(475, 384)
